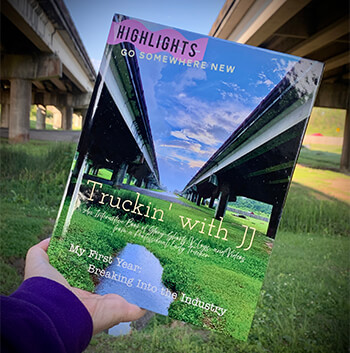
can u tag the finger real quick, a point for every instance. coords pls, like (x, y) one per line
(122, 309)
(134, 313)
(44, 244)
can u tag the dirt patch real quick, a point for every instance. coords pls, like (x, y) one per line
(323, 140)
(339, 188)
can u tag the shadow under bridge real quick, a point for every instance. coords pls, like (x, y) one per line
(117, 134)
(257, 160)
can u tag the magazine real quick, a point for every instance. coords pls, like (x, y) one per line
(183, 166)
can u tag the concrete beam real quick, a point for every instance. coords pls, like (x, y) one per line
(333, 95)
(337, 61)
(30, 67)
(59, 84)
(79, 101)
(322, 38)
(230, 15)
(263, 19)
(31, 20)
(39, 85)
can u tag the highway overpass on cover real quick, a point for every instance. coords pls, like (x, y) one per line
(315, 29)
(117, 133)
(257, 160)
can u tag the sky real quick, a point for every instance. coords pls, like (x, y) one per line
(92, 18)
(191, 111)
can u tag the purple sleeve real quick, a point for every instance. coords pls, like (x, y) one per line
(44, 316)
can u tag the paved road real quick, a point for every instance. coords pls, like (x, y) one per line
(48, 135)
(167, 196)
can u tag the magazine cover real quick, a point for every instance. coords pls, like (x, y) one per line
(181, 173)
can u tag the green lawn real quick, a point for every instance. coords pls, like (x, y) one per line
(183, 272)
(304, 305)
(328, 122)
(319, 159)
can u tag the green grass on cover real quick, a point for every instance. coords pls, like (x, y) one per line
(183, 273)
(304, 305)
(105, 174)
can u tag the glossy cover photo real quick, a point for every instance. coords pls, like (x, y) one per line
(181, 173)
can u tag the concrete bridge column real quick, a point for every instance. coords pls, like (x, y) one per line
(40, 117)
(57, 119)
(119, 174)
(345, 156)
(5, 115)
(139, 183)
(274, 220)
(20, 101)
(211, 202)
(129, 179)
(199, 198)
(223, 201)
(83, 113)
(67, 117)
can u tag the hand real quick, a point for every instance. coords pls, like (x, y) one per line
(105, 310)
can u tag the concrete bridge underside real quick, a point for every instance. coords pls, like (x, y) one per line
(117, 134)
(257, 160)
(43, 62)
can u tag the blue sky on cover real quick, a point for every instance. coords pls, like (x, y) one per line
(196, 99)
(193, 111)
(93, 18)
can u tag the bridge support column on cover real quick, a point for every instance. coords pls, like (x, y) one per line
(211, 202)
(128, 180)
(67, 118)
(20, 100)
(199, 198)
(223, 200)
(119, 175)
(139, 183)
(5, 115)
(274, 220)
(40, 117)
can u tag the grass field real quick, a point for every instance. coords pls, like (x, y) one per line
(304, 304)
(213, 278)
(328, 122)
(319, 159)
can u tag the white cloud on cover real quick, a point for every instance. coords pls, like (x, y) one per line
(205, 123)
